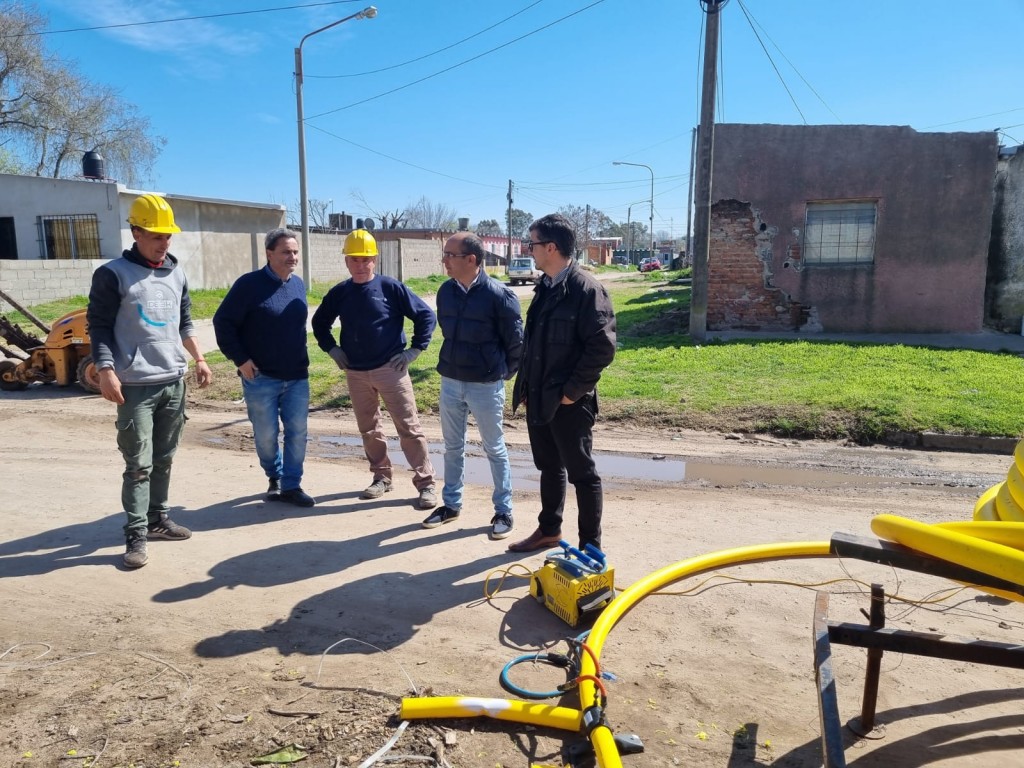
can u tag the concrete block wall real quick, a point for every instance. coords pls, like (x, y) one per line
(37, 281)
(740, 296)
(420, 258)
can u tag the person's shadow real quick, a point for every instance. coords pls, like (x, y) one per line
(75, 545)
(384, 610)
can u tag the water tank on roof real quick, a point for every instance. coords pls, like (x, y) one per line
(93, 166)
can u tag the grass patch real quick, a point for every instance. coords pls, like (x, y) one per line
(802, 388)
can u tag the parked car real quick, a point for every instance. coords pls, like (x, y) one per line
(650, 264)
(523, 269)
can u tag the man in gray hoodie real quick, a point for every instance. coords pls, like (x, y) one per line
(140, 325)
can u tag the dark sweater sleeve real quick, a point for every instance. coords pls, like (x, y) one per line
(227, 321)
(423, 319)
(323, 321)
(104, 301)
(185, 327)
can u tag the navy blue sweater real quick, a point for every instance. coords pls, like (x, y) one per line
(372, 321)
(263, 319)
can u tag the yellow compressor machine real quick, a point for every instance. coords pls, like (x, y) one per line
(572, 584)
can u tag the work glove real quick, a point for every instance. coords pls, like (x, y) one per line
(402, 360)
(338, 355)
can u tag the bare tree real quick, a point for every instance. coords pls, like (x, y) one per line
(50, 113)
(318, 213)
(427, 215)
(388, 219)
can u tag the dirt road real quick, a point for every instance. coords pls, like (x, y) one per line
(212, 654)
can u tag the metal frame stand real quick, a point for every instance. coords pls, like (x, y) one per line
(877, 639)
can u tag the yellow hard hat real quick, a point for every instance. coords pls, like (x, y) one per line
(151, 212)
(360, 245)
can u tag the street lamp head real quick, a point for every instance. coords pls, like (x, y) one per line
(367, 13)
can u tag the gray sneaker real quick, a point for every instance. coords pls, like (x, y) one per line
(501, 525)
(377, 488)
(427, 498)
(165, 528)
(135, 555)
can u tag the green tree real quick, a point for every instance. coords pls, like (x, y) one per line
(520, 222)
(488, 227)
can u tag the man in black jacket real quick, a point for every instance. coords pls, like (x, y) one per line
(569, 340)
(483, 340)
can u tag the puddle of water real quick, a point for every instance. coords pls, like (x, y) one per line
(615, 469)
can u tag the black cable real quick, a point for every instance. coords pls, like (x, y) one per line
(185, 18)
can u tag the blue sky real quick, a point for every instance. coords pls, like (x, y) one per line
(459, 96)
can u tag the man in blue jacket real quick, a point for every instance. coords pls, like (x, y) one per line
(483, 340)
(371, 350)
(261, 327)
(140, 325)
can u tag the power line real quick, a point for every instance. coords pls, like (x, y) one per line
(433, 53)
(750, 18)
(970, 119)
(454, 66)
(403, 162)
(183, 18)
(772, 62)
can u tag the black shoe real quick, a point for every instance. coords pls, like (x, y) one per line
(165, 528)
(298, 497)
(501, 525)
(274, 489)
(440, 516)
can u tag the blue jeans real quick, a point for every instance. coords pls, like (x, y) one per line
(486, 401)
(268, 402)
(149, 426)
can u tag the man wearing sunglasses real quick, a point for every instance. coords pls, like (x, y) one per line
(569, 341)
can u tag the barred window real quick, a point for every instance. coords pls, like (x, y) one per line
(69, 237)
(840, 233)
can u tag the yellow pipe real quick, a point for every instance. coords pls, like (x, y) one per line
(529, 712)
(601, 738)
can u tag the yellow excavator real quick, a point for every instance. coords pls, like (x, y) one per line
(64, 356)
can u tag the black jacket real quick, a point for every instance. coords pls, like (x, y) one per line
(483, 331)
(570, 339)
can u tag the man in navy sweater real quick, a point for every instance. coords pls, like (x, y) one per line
(371, 350)
(261, 327)
(483, 341)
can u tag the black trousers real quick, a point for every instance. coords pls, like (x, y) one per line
(561, 450)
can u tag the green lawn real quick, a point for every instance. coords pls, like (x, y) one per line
(798, 388)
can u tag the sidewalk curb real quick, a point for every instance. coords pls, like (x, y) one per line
(937, 441)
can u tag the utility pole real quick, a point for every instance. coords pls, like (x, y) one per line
(508, 223)
(586, 236)
(689, 196)
(705, 150)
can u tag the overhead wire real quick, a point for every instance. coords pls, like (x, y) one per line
(455, 66)
(432, 53)
(752, 21)
(182, 18)
(772, 61)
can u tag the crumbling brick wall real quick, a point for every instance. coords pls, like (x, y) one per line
(741, 293)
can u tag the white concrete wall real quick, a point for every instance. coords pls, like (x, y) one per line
(421, 258)
(40, 280)
(26, 198)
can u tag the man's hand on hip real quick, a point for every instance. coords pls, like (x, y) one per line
(401, 361)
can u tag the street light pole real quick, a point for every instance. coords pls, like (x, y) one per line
(367, 13)
(641, 165)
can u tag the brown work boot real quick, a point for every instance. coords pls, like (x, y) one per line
(536, 540)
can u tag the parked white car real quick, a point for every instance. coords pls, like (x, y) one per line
(523, 269)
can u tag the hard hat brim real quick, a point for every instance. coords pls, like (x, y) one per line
(173, 230)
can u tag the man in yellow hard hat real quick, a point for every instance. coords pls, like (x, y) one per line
(371, 349)
(140, 325)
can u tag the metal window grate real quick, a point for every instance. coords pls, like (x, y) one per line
(840, 233)
(76, 236)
